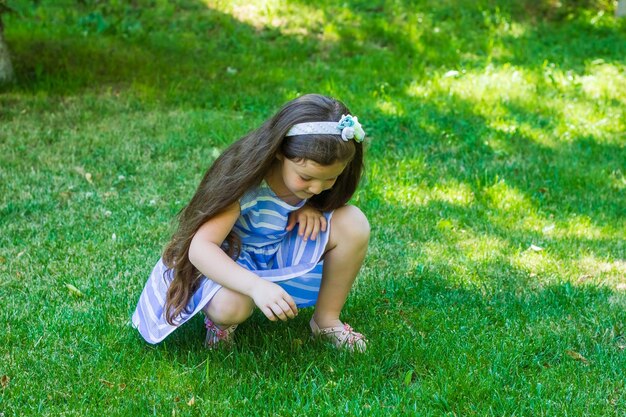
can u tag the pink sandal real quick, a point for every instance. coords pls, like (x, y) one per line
(343, 337)
(215, 336)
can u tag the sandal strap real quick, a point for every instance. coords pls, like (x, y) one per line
(341, 336)
(216, 335)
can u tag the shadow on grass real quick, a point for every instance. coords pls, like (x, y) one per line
(575, 176)
(210, 59)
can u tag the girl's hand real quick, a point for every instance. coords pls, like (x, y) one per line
(311, 221)
(273, 301)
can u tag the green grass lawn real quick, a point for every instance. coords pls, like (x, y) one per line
(495, 283)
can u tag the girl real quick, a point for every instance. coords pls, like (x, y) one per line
(236, 245)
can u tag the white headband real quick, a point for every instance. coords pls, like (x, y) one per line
(348, 127)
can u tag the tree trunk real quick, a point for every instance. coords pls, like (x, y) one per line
(621, 8)
(6, 69)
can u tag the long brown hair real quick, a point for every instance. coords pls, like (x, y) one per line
(243, 165)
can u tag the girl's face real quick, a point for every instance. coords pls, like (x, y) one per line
(305, 178)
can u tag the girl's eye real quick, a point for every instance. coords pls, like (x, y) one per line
(305, 178)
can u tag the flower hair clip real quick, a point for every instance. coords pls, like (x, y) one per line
(348, 127)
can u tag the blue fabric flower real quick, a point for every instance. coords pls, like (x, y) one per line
(350, 128)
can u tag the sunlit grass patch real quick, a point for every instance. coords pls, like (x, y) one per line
(289, 19)
(421, 194)
(604, 81)
(516, 100)
(491, 85)
(507, 199)
(389, 107)
(602, 271)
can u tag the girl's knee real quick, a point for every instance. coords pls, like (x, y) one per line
(350, 222)
(229, 307)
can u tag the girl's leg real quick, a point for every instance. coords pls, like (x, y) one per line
(347, 245)
(228, 307)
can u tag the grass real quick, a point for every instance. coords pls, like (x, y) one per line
(495, 187)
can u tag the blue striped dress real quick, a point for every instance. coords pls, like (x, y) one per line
(267, 249)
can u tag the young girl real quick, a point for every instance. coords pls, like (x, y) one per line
(237, 244)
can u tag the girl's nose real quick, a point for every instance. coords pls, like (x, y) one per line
(315, 188)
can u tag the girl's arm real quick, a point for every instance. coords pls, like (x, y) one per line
(207, 256)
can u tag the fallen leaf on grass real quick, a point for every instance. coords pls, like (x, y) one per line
(408, 377)
(74, 291)
(192, 401)
(65, 195)
(577, 356)
(4, 381)
(107, 383)
(85, 174)
(535, 248)
(621, 286)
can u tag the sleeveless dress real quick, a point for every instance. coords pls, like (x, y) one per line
(267, 249)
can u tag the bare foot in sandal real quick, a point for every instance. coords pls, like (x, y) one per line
(343, 337)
